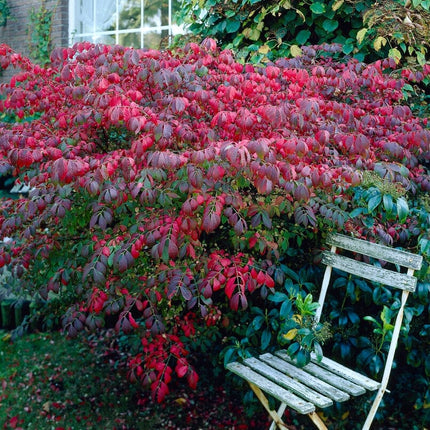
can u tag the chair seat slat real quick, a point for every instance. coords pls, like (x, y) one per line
(327, 376)
(373, 273)
(305, 378)
(285, 396)
(289, 383)
(339, 369)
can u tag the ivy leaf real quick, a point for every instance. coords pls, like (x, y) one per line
(330, 25)
(302, 37)
(232, 25)
(395, 54)
(360, 35)
(295, 51)
(318, 8)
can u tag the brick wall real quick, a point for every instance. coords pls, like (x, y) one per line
(15, 33)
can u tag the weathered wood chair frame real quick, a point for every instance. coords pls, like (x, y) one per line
(318, 384)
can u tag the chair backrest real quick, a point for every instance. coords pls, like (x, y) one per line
(388, 276)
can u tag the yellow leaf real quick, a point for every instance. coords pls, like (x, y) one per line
(246, 32)
(361, 34)
(395, 54)
(291, 334)
(336, 5)
(47, 406)
(295, 51)
(263, 49)
(6, 337)
(379, 43)
(300, 13)
(421, 58)
(297, 318)
(345, 415)
(255, 34)
(285, 4)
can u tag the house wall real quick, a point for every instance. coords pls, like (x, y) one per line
(15, 33)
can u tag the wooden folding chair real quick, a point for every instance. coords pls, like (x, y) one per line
(318, 384)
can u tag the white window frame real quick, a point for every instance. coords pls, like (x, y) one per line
(91, 36)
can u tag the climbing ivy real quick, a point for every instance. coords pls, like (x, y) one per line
(39, 29)
(4, 12)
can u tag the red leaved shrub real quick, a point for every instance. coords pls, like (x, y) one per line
(163, 184)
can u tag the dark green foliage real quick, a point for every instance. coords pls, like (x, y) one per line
(260, 31)
(4, 12)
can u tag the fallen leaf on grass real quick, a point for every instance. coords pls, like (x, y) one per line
(46, 406)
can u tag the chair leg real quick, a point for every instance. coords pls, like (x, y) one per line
(280, 412)
(273, 414)
(319, 423)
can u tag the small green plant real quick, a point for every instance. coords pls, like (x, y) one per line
(39, 29)
(375, 348)
(4, 12)
(306, 334)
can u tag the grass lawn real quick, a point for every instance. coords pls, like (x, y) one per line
(50, 382)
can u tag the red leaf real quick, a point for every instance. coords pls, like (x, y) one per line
(230, 287)
(192, 379)
(181, 370)
(211, 221)
(13, 422)
(234, 302)
(269, 281)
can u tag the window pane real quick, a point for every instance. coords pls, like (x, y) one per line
(153, 39)
(108, 39)
(106, 15)
(129, 14)
(156, 13)
(84, 16)
(130, 39)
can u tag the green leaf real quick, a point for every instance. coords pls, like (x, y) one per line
(278, 297)
(302, 358)
(402, 209)
(286, 310)
(388, 203)
(303, 36)
(265, 339)
(421, 58)
(374, 202)
(330, 25)
(357, 211)
(293, 348)
(317, 8)
(257, 322)
(232, 25)
(228, 356)
(318, 351)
